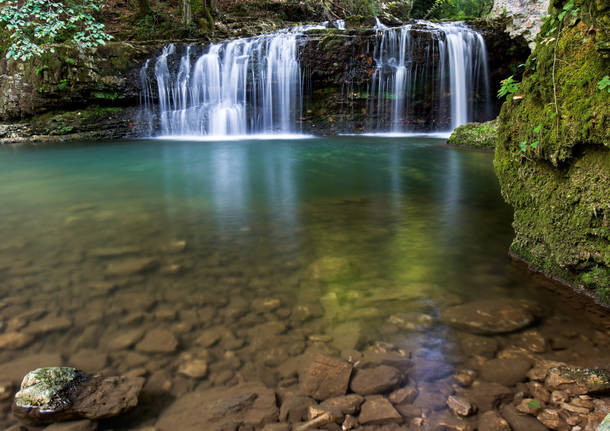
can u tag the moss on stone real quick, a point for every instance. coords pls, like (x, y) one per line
(553, 161)
(479, 135)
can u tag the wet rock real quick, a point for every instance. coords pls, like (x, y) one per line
(507, 372)
(464, 378)
(124, 339)
(447, 422)
(405, 395)
(487, 396)
(350, 423)
(460, 406)
(551, 419)
(578, 381)
(250, 405)
(348, 404)
(294, 408)
(15, 340)
(325, 377)
(6, 390)
(347, 336)
(521, 422)
(408, 411)
(489, 317)
(60, 393)
(529, 406)
(492, 421)
(377, 380)
(478, 345)
(541, 369)
(108, 252)
(558, 397)
(277, 427)
(377, 410)
(48, 324)
(412, 321)
(538, 391)
(132, 266)
(158, 341)
(195, 369)
(533, 341)
(398, 360)
(265, 305)
(209, 337)
(82, 425)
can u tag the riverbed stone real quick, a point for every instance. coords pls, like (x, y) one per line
(13, 371)
(48, 324)
(404, 395)
(578, 381)
(478, 345)
(507, 372)
(81, 425)
(492, 421)
(490, 317)
(250, 405)
(460, 406)
(131, 266)
(377, 380)
(487, 396)
(194, 368)
(89, 360)
(377, 410)
(124, 339)
(294, 408)
(15, 340)
(348, 404)
(158, 341)
(521, 422)
(325, 377)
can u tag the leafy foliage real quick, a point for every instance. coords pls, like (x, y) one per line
(33, 25)
(508, 88)
(604, 83)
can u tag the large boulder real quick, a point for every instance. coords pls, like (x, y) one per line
(525, 17)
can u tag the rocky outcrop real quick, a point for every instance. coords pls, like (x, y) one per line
(524, 17)
(478, 135)
(61, 393)
(553, 157)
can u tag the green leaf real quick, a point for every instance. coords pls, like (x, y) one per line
(535, 144)
(537, 129)
(523, 146)
(605, 82)
(534, 404)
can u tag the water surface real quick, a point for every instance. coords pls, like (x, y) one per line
(277, 247)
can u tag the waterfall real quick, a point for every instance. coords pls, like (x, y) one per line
(426, 77)
(428, 73)
(244, 86)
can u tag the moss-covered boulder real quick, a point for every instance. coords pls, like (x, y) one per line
(553, 156)
(479, 135)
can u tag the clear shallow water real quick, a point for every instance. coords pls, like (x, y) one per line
(354, 230)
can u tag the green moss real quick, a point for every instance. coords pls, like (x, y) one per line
(480, 135)
(559, 187)
(68, 122)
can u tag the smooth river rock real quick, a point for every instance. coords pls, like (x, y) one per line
(250, 405)
(489, 317)
(325, 377)
(507, 372)
(376, 380)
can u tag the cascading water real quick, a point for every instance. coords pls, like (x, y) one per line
(234, 88)
(431, 73)
(427, 77)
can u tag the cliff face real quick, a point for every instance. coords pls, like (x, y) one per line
(553, 157)
(525, 17)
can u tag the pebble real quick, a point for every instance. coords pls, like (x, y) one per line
(158, 341)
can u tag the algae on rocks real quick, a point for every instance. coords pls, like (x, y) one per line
(553, 156)
(479, 135)
(48, 389)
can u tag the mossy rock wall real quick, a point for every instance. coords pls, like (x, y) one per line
(478, 135)
(553, 157)
(70, 78)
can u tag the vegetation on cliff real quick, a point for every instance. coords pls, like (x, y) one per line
(479, 135)
(553, 158)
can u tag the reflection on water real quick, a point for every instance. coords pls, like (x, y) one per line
(349, 241)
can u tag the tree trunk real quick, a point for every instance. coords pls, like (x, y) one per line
(187, 13)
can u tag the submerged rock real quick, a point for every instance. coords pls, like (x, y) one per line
(60, 393)
(251, 405)
(578, 381)
(490, 316)
(325, 377)
(45, 391)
